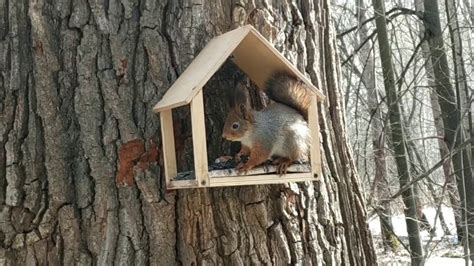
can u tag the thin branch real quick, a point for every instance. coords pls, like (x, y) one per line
(427, 173)
(359, 47)
(403, 11)
(406, 11)
(404, 71)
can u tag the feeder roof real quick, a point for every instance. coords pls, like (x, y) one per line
(250, 51)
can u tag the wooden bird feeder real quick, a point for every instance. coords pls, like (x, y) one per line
(258, 59)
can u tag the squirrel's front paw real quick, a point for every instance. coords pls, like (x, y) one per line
(238, 156)
(241, 157)
(243, 168)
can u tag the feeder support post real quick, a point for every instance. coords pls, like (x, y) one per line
(169, 152)
(315, 152)
(199, 140)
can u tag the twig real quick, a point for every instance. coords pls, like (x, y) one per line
(427, 173)
(403, 11)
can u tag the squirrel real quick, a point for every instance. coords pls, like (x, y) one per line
(279, 131)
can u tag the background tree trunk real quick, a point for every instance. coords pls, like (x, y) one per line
(80, 175)
(397, 135)
(439, 125)
(450, 106)
(377, 134)
(459, 73)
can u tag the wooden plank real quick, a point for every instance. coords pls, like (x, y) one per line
(259, 60)
(180, 184)
(199, 140)
(201, 69)
(169, 152)
(268, 169)
(315, 152)
(220, 177)
(259, 179)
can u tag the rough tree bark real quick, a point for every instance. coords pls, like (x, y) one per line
(397, 134)
(80, 175)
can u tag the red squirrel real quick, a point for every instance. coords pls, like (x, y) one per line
(279, 131)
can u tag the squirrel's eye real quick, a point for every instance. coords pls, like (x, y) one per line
(235, 125)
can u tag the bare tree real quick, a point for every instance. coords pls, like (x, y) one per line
(451, 114)
(439, 125)
(417, 92)
(460, 77)
(380, 184)
(397, 134)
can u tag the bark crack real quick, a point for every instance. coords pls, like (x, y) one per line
(169, 41)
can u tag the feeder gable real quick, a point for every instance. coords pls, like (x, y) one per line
(250, 52)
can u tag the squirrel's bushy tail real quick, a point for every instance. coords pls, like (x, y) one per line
(289, 90)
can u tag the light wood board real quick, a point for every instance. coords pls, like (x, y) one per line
(169, 151)
(257, 176)
(313, 121)
(260, 179)
(199, 139)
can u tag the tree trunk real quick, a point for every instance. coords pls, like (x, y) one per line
(418, 168)
(460, 77)
(467, 10)
(377, 133)
(80, 163)
(447, 164)
(454, 135)
(397, 134)
(439, 125)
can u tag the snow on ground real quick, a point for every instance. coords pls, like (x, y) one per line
(394, 260)
(400, 227)
(441, 249)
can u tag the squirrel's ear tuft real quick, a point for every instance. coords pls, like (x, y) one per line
(243, 109)
(246, 112)
(241, 96)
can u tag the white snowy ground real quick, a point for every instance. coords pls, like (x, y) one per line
(441, 249)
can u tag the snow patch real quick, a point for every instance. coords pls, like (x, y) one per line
(442, 249)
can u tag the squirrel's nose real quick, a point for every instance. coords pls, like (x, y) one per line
(225, 135)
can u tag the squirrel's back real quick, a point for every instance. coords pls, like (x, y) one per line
(288, 90)
(279, 131)
(284, 129)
